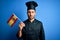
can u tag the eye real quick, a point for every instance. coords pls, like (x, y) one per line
(32, 11)
(29, 12)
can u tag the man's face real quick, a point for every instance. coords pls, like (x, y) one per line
(31, 14)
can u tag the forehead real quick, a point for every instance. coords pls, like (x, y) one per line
(31, 10)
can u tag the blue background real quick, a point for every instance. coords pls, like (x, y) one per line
(48, 12)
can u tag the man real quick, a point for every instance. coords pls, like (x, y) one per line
(31, 29)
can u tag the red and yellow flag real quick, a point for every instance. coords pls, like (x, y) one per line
(12, 20)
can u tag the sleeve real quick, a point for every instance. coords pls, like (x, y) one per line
(42, 34)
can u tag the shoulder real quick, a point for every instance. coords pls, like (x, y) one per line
(25, 21)
(38, 21)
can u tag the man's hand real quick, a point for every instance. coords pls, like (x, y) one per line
(21, 25)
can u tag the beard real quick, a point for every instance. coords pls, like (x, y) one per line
(30, 17)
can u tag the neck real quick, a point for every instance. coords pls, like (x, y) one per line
(31, 20)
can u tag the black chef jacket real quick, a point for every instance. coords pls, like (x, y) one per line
(33, 30)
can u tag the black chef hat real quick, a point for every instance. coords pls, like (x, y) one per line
(31, 5)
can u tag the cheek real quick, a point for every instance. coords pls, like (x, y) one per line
(33, 14)
(28, 14)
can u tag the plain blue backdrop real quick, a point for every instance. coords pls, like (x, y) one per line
(48, 11)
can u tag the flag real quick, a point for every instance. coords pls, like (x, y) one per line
(12, 20)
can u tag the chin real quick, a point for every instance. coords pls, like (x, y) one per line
(31, 18)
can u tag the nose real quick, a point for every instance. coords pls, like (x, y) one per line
(30, 13)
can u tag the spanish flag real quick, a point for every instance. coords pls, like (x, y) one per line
(12, 20)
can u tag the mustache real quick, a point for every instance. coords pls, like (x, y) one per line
(30, 15)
